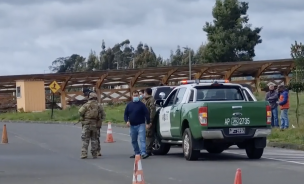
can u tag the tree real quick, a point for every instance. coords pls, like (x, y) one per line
(73, 63)
(93, 61)
(230, 37)
(297, 83)
(177, 57)
(199, 55)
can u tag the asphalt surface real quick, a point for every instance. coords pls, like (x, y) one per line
(50, 154)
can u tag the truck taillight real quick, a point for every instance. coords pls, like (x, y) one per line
(203, 116)
(268, 114)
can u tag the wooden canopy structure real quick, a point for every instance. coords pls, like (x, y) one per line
(160, 74)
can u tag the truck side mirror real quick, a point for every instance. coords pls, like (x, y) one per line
(162, 95)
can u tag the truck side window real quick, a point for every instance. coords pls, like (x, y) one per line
(180, 96)
(191, 96)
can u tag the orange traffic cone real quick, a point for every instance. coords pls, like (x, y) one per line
(138, 175)
(238, 177)
(4, 135)
(109, 138)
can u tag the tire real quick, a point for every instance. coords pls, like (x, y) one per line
(254, 153)
(215, 150)
(160, 148)
(189, 152)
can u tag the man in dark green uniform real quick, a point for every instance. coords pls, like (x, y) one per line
(149, 101)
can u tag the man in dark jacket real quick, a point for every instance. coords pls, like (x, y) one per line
(136, 114)
(272, 97)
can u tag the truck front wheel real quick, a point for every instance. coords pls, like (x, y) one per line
(189, 152)
(254, 153)
(160, 148)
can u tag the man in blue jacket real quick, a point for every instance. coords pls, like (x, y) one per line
(136, 115)
(272, 97)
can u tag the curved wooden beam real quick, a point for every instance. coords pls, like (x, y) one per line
(262, 69)
(230, 72)
(201, 73)
(135, 78)
(65, 83)
(166, 78)
(290, 69)
(101, 80)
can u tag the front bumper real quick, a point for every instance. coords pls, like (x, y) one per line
(224, 133)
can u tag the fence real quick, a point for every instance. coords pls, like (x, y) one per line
(8, 101)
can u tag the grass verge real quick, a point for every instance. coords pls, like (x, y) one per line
(115, 115)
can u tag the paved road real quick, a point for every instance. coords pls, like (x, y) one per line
(50, 154)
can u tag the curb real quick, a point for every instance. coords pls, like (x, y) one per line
(285, 145)
(58, 122)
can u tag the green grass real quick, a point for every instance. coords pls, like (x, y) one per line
(292, 135)
(115, 115)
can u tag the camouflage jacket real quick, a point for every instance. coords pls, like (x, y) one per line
(150, 104)
(90, 113)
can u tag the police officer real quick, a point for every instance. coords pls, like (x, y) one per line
(149, 101)
(89, 114)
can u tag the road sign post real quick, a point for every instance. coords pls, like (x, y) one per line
(54, 87)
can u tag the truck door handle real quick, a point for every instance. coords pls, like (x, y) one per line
(237, 107)
(176, 109)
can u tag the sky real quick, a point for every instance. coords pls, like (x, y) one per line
(33, 33)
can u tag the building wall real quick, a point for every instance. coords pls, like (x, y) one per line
(21, 99)
(32, 96)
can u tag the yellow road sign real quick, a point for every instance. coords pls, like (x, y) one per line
(54, 86)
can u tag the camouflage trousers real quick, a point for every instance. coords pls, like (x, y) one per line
(89, 133)
(150, 138)
(98, 139)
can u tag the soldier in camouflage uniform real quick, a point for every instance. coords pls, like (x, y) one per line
(149, 101)
(141, 94)
(89, 114)
(102, 117)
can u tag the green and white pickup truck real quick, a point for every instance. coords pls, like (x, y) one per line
(211, 115)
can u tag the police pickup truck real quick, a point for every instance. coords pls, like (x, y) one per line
(211, 115)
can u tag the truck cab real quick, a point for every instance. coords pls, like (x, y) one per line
(211, 115)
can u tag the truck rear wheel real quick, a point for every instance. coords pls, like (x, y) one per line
(254, 153)
(189, 152)
(160, 148)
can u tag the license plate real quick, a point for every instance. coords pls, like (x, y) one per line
(236, 130)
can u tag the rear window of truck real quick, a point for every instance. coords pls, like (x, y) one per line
(218, 93)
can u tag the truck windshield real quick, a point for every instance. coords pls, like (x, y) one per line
(218, 93)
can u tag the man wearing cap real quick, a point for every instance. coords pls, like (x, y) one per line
(89, 114)
(272, 98)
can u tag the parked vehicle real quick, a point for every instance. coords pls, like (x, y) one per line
(211, 115)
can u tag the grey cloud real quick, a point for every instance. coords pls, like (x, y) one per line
(34, 2)
(35, 32)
